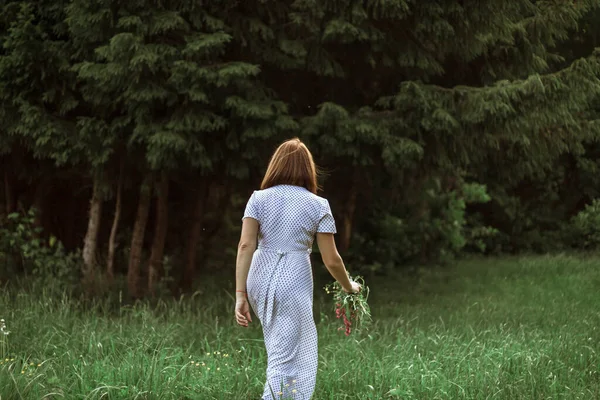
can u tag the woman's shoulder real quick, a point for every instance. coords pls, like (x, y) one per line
(290, 191)
(321, 203)
(320, 199)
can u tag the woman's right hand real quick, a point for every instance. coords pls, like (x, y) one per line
(242, 312)
(355, 287)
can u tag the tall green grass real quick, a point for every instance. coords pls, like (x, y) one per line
(511, 328)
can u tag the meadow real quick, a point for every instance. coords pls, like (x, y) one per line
(505, 328)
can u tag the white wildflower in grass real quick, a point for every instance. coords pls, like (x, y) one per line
(352, 308)
(3, 339)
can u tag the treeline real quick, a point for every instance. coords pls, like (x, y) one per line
(137, 130)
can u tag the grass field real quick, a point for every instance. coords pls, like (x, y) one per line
(512, 328)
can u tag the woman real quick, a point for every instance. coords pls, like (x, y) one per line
(275, 279)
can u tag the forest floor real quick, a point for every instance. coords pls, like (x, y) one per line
(502, 328)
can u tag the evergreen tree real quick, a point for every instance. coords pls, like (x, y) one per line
(37, 100)
(480, 90)
(181, 102)
(419, 112)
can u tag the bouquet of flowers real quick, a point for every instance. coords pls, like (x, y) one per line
(352, 308)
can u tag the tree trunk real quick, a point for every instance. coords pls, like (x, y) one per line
(194, 236)
(348, 215)
(112, 240)
(160, 233)
(90, 242)
(137, 237)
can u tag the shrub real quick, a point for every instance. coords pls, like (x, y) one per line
(585, 227)
(435, 233)
(44, 261)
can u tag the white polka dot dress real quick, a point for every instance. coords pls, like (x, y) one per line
(280, 285)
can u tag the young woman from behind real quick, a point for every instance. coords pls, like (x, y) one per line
(273, 268)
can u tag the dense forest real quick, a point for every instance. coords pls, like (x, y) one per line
(133, 132)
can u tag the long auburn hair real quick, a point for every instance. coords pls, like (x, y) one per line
(291, 164)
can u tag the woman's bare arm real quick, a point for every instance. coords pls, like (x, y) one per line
(332, 260)
(246, 248)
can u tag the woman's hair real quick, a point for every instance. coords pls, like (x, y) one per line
(291, 164)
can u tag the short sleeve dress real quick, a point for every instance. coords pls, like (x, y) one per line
(280, 285)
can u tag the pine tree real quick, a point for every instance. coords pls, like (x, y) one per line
(181, 102)
(414, 109)
(481, 88)
(37, 103)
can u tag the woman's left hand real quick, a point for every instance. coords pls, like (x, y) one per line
(242, 311)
